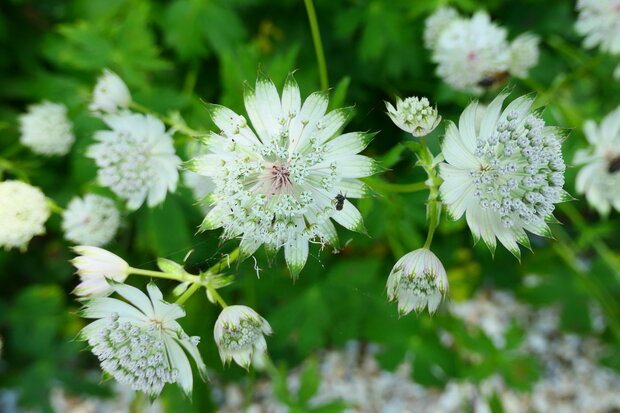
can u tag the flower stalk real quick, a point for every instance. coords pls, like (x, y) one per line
(318, 44)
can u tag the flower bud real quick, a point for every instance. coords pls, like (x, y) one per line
(417, 280)
(239, 334)
(94, 265)
(414, 115)
(110, 94)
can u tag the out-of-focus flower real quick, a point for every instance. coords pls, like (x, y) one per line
(136, 159)
(414, 115)
(436, 23)
(473, 53)
(23, 212)
(111, 93)
(139, 342)
(95, 266)
(599, 179)
(279, 187)
(92, 220)
(599, 21)
(240, 335)
(46, 130)
(506, 176)
(418, 280)
(523, 54)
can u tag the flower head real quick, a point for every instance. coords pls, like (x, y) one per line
(523, 54)
(599, 179)
(240, 335)
(136, 159)
(599, 21)
(436, 23)
(505, 175)
(139, 342)
(95, 266)
(418, 280)
(92, 220)
(110, 94)
(278, 186)
(23, 212)
(46, 130)
(414, 115)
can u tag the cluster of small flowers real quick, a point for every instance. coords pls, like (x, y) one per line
(91, 220)
(279, 187)
(599, 21)
(414, 115)
(23, 213)
(46, 130)
(572, 381)
(474, 53)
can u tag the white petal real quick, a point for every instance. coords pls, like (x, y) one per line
(179, 361)
(455, 151)
(296, 254)
(135, 297)
(491, 116)
(350, 218)
(467, 126)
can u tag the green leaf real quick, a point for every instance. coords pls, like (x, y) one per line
(170, 266)
(310, 379)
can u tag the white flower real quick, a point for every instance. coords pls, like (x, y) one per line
(96, 265)
(505, 175)
(110, 94)
(139, 342)
(523, 54)
(414, 115)
(46, 130)
(240, 335)
(201, 186)
(468, 50)
(599, 179)
(278, 187)
(23, 212)
(92, 220)
(436, 23)
(136, 159)
(417, 280)
(599, 21)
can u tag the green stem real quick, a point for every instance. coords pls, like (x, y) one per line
(54, 207)
(217, 296)
(433, 205)
(188, 293)
(318, 44)
(181, 127)
(169, 276)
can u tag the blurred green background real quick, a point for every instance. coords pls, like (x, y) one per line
(172, 54)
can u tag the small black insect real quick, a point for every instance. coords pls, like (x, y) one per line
(340, 202)
(614, 165)
(493, 79)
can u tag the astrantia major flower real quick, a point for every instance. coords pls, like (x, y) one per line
(91, 220)
(136, 159)
(414, 115)
(240, 335)
(474, 53)
(504, 174)
(96, 266)
(418, 280)
(110, 94)
(23, 212)
(599, 179)
(599, 21)
(139, 342)
(278, 186)
(46, 130)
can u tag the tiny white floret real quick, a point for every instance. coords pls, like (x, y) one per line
(95, 266)
(111, 94)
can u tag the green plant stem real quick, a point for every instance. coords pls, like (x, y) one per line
(188, 293)
(433, 205)
(181, 127)
(318, 44)
(169, 276)
(217, 296)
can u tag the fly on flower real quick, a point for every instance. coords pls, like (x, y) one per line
(275, 185)
(505, 172)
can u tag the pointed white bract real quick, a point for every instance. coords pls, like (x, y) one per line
(91, 220)
(240, 335)
(277, 184)
(23, 213)
(505, 173)
(599, 178)
(599, 21)
(471, 52)
(96, 266)
(139, 342)
(414, 115)
(46, 129)
(417, 281)
(136, 158)
(110, 95)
